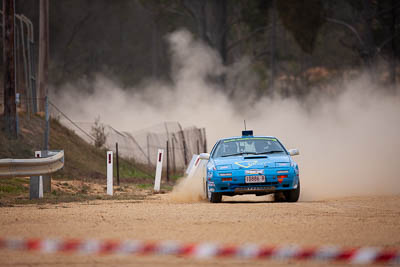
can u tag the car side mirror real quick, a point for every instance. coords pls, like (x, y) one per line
(294, 152)
(205, 156)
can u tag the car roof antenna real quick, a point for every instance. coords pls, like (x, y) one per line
(244, 125)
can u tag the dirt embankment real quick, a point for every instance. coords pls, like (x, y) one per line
(82, 160)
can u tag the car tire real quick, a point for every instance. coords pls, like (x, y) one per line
(216, 198)
(279, 197)
(213, 197)
(292, 195)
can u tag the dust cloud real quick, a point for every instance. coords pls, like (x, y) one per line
(349, 143)
(188, 189)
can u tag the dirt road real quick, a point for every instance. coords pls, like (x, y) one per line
(355, 221)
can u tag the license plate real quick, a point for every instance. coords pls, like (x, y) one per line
(255, 179)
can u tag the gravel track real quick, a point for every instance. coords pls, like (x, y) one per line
(352, 221)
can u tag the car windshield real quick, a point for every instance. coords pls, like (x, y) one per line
(242, 146)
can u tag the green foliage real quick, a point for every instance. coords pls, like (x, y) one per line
(128, 170)
(145, 186)
(13, 186)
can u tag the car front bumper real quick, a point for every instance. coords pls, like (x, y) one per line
(238, 187)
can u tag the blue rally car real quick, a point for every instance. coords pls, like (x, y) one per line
(250, 164)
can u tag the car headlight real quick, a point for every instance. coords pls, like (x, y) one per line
(224, 167)
(282, 164)
(211, 166)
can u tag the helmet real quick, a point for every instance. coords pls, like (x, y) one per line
(230, 148)
(260, 146)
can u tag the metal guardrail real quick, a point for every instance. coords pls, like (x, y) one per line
(31, 167)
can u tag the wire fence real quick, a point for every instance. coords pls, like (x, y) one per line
(142, 146)
(179, 143)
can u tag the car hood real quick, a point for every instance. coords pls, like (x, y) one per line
(251, 161)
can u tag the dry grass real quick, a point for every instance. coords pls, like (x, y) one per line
(14, 191)
(83, 177)
(82, 160)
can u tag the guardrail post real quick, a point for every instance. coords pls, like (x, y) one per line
(35, 187)
(46, 179)
(109, 173)
(36, 183)
(157, 180)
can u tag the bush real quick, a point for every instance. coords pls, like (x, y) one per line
(98, 133)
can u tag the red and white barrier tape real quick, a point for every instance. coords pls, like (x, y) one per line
(363, 255)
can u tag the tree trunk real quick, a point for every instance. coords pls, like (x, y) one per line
(368, 52)
(211, 22)
(210, 17)
(273, 47)
(393, 60)
(216, 26)
(43, 52)
(154, 50)
(10, 107)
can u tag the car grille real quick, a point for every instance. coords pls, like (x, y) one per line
(259, 184)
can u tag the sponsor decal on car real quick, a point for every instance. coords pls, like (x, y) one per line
(252, 138)
(260, 171)
(246, 164)
(224, 167)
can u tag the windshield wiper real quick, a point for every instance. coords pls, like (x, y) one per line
(237, 154)
(270, 152)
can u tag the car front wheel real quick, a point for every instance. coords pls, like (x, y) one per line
(292, 195)
(213, 197)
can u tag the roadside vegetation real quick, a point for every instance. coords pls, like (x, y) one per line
(83, 177)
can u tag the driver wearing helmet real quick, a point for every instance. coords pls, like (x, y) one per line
(260, 146)
(230, 148)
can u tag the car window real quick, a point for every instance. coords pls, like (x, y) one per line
(257, 145)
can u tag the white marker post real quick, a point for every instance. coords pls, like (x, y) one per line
(157, 181)
(194, 165)
(109, 173)
(38, 154)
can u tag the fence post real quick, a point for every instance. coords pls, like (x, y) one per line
(32, 66)
(204, 140)
(109, 173)
(43, 69)
(24, 57)
(184, 144)
(184, 147)
(10, 107)
(168, 161)
(47, 126)
(157, 180)
(173, 154)
(116, 151)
